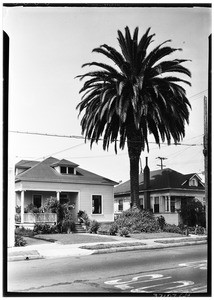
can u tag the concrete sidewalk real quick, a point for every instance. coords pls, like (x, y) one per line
(55, 250)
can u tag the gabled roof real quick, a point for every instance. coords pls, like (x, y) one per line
(44, 172)
(161, 179)
(64, 163)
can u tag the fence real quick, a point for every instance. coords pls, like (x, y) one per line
(40, 218)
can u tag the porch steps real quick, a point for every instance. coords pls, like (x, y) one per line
(79, 228)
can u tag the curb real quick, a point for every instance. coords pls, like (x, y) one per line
(147, 247)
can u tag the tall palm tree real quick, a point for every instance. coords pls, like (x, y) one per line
(134, 97)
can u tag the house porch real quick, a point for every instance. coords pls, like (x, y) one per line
(38, 199)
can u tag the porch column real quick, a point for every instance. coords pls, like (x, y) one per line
(58, 195)
(169, 203)
(22, 205)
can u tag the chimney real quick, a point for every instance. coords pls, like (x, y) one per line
(146, 174)
(146, 184)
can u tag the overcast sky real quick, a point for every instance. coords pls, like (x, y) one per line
(48, 46)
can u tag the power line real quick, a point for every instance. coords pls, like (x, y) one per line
(81, 137)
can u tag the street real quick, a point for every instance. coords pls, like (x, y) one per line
(172, 270)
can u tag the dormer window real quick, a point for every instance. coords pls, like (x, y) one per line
(65, 167)
(63, 170)
(67, 170)
(193, 182)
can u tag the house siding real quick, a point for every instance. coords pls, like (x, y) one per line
(83, 198)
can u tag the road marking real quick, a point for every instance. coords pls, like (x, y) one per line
(124, 285)
(181, 284)
(202, 265)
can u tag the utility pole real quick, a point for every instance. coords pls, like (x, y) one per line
(161, 159)
(205, 152)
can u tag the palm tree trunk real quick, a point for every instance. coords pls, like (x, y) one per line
(134, 157)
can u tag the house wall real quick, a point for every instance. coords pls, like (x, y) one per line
(84, 196)
(170, 218)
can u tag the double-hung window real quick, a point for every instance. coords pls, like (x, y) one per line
(156, 205)
(96, 204)
(120, 205)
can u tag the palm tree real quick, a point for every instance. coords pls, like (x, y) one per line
(135, 97)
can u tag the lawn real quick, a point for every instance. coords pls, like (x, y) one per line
(155, 235)
(75, 238)
(93, 238)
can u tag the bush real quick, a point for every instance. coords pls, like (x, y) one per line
(31, 209)
(24, 231)
(124, 231)
(113, 229)
(68, 226)
(172, 228)
(94, 225)
(19, 241)
(161, 222)
(104, 229)
(137, 220)
(43, 228)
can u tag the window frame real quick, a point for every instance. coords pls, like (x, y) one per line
(101, 197)
(37, 196)
(120, 205)
(156, 205)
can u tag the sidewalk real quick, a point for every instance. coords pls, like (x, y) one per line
(47, 250)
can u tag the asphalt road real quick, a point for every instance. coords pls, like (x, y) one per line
(181, 270)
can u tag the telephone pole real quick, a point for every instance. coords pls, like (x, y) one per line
(161, 159)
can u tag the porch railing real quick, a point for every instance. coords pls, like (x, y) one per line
(40, 218)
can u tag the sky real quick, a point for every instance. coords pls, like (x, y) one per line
(48, 46)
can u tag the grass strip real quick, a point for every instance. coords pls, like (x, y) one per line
(108, 246)
(171, 241)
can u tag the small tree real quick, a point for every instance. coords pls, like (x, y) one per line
(193, 212)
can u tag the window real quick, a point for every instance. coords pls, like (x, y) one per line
(156, 205)
(63, 198)
(166, 203)
(70, 170)
(37, 200)
(141, 202)
(120, 205)
(96, 204)
(63, 170)
(193, 182)
(172, 205)
(67, 170)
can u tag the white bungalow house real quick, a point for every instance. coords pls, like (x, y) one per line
(161, 191)
(36, 181)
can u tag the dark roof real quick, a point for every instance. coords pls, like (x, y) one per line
(161, 179)
(25, 164)
(44, 171)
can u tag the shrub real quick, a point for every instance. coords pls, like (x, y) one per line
(68, 226)
(43, 228)
(124, 231)
(21, 231)
(161, 222)
(104, 229)
(113, 229)
(30, 208)
(137, 220)
(94, 225)
(19, 241)
(172, 228)
(83, 217)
